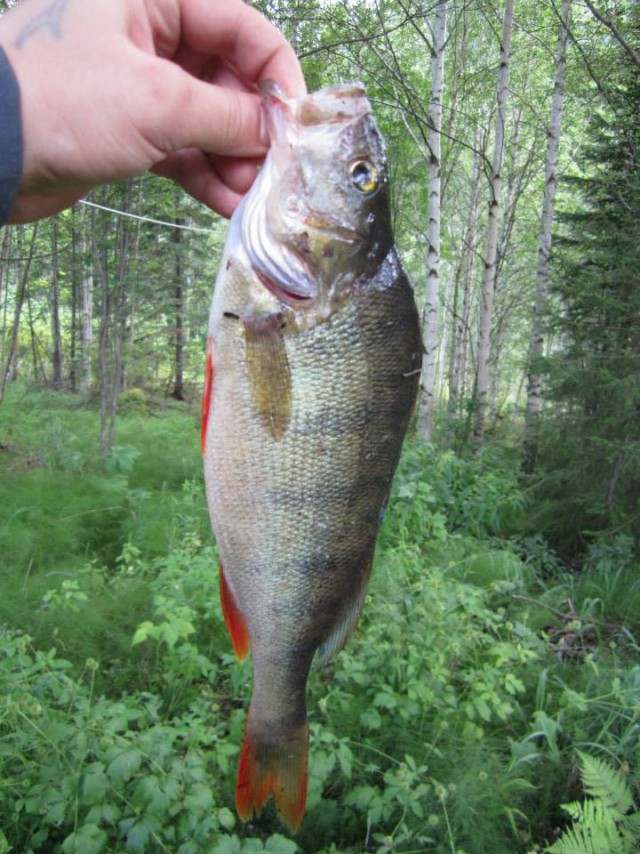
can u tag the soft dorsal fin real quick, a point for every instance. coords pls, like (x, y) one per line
(234, 619)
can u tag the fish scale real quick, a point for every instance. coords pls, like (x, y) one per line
(313, 379)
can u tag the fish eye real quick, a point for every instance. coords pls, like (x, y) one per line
(364, 176)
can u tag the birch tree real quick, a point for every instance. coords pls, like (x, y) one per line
(87, 307)
(56, 338)
(431, 306)
(23, 268)
(463, 278)
(178, 385)
(487, 295)
(534, 384)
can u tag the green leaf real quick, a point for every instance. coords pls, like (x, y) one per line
(89, 839)
(371, 719)
(139, 833)
(56, 812)
(200, 798)
(173, 631)
(227, 845)
(103, 814)
(145, 630)
(602, 781)
(598, 821)
(226, 818)
(94, 784)
(224, 753)
(279, 844)
(513, 684)
(121, 458)
(124, 766)
(361, 797)
(483, 708)
(385, 700)
(345, 758)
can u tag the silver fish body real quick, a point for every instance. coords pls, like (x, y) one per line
(314, 355)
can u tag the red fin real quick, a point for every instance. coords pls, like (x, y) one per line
(234, 619)
(274, 769)
(206, 394)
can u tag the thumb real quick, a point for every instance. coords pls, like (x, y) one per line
(214, 119)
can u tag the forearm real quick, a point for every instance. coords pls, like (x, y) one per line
(11, 154)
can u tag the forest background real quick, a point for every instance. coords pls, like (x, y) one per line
(495, 674)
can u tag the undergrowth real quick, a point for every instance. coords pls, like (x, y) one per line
(481, 679)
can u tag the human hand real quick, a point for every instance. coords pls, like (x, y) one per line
(111, 88)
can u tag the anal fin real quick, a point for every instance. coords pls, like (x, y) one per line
(342, 631)
(234, 619)
(346, 624)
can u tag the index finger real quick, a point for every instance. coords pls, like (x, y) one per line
(244, 37)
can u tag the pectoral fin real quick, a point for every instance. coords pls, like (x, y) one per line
(268, 373)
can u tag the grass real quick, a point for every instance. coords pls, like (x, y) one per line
(451, 722)
(69, 514)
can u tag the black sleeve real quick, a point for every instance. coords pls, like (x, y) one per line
(10, 137)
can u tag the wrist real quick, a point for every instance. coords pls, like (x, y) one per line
(11, 142)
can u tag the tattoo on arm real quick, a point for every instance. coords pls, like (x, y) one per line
(49, 19)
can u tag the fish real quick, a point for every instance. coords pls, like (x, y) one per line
(312, 369)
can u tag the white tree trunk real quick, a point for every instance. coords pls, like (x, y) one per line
(463, 281)
(87, 325)
(534, 381)
(487, 296)
(431, 306)
(56, 354)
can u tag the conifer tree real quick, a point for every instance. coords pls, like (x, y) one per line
(594, 440)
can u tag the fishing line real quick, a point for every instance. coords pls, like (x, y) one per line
(149, 219)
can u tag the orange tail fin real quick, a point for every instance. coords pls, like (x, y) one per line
(274, 769)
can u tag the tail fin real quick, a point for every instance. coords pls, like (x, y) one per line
(278, 769)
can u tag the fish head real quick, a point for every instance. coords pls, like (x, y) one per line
(317, 218)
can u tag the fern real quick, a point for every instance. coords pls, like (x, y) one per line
(602, 781)
(604, 823)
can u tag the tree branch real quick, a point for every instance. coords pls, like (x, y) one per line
(614, 31)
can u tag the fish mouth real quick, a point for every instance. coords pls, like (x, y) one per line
(339, 103)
